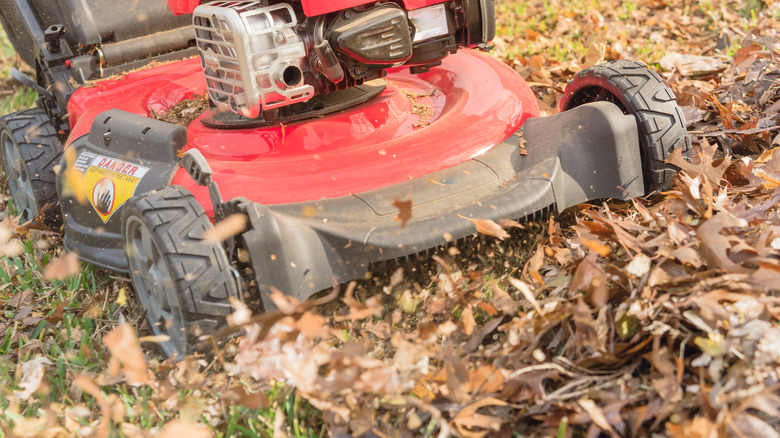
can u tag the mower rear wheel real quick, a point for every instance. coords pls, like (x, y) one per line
(30, 150)
(13, 24)
(181, 280)
(641, 92)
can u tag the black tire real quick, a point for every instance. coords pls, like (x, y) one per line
(182, 282)
(30, 150)
(641, 92)
(17, 32)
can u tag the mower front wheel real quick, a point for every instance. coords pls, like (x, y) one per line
(640, 92)
(30, 150)
(182, 281)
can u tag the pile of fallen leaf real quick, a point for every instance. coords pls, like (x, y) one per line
(656, 315)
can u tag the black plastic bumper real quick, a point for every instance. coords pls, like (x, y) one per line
(590, 152)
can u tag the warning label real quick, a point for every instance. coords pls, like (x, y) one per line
(109, 183)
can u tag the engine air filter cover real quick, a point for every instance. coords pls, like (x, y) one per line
(251, 55)
(379, 36)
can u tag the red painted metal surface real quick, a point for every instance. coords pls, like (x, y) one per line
(310, 7)
(318, 7)
(179, 7)
(475, 102)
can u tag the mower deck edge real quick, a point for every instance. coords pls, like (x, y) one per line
(587, 153)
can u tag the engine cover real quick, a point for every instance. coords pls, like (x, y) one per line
(379, 36)
(251, 55)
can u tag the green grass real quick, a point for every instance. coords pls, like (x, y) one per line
(12, 97)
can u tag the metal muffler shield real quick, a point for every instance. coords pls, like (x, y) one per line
(251, 55)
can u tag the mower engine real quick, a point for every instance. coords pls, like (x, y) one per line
(259, 56)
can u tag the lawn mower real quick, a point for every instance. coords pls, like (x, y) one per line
(324, 123)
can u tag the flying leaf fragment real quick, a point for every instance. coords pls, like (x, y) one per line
(73, 181)
(358, 310)
(285, 303)
(178, 429)
(238, 395)
(509, 223)
(241, 316)
(156, 339)
(9, 247)
(467, 321)
(488, 227)
(404, 210)
(121, 297)
(63, 267)
(90, 387)
(125, 350)
(598, 247)
(397, 277)
(227, 228)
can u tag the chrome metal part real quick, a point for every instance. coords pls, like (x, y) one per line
(252, 55)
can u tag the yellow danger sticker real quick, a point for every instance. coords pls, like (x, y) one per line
(109, 183)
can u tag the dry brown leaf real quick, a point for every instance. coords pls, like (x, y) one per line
(88, 385)
(63, 267)
(156, 339)
(718, 245)
(238, 395)
(488, 228)
(180, 429)
(509, 223)
(598, 247)
(704, 166)
(699, 427)
(404, 211)
(468, 419)
(226, 228)
(285, 303)
(125, 349)
(487, 308)
(467, 321)
(33, 372)
(596, 415)
(527, 293)
(57, 315)
(358, 310)
(311, 325)
(485, 379)
(242, 315)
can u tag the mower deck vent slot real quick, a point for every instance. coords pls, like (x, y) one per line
(386, 265)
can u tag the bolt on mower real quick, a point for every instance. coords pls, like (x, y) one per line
(316, 118)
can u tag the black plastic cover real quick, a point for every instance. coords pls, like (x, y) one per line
(379, 36)
(95, 22)
(123, 155)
